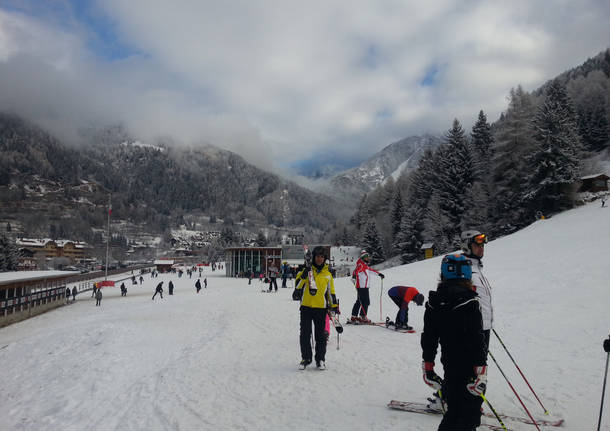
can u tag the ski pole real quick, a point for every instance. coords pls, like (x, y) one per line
(494, 412)
(601, 407)
(515, 392)
(380, 296)
(546, 412)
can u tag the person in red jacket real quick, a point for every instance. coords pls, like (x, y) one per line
(402, 295)
(362, 275)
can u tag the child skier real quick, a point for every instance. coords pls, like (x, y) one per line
(361, 275)
(453, 319)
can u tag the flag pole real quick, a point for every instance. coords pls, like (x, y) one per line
(108, 234)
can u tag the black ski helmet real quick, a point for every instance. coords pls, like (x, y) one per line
(318, 250)
(419, 299)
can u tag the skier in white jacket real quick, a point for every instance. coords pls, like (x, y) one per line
(473, 247)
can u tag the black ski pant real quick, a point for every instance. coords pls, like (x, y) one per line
(463, 409)
(362, 302)
(98, 302)
(318, 317)
(160, 293)
(272, 282)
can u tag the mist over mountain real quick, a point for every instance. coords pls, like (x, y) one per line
(155, 186)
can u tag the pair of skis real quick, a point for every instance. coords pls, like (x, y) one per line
(423, 409)
(387, 324)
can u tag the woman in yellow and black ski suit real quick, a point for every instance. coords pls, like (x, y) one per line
(314, 306)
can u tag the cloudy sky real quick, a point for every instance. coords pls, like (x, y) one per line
(280, 81)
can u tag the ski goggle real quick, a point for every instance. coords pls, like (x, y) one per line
(480, 239)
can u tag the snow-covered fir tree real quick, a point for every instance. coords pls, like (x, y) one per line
(371, 242)
(9, 254)
(409, 238)
(261, 239)
(435, 225)
(363, 213)
(555, 162)
(476, 215)
(482, 144)
(514, 141)
(396, 213)
(455, 178)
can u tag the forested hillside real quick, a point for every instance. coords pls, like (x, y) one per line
(151, 186)
(497, 177)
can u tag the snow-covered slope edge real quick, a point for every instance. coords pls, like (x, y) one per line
(551, 298)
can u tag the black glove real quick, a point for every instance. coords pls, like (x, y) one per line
(296, 294)
(381, 276)
(607, 345)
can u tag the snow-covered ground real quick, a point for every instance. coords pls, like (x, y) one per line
(226, 358)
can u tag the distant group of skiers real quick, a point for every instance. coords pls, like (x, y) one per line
(458, 316)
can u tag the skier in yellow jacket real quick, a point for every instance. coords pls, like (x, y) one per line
(315, 301)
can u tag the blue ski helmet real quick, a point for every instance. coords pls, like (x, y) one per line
(456, 267)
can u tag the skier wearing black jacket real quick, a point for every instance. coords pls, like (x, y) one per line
(453, 319)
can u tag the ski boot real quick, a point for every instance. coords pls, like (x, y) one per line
(320, 365)
(304, 363)
(435, 404)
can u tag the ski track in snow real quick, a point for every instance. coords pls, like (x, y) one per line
(226, 358)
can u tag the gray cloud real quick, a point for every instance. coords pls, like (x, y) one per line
(278, 81)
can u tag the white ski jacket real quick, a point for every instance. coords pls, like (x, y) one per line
(483, 289)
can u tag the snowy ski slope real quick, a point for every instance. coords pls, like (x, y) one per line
(226, 359)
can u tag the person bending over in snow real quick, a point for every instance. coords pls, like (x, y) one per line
(158, 290)
(361, 275)
(402, 295)
(314, 307)
(453, 319)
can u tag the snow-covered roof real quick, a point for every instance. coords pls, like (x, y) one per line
(426, 245)
(588, 177)
(163, 262)
(12, 276)
(31, 242)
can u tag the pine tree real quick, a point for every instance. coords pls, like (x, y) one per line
(372, 243)
(363, 213)
(396, 213)
(9, 255)
(593, 125)
(476, 215)
(514, 141)
(455, 178)
(555, 163)
(261, 239)
(409, 239)
(436, 226)
(482, 144)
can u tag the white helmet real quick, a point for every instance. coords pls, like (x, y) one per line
(469, 236)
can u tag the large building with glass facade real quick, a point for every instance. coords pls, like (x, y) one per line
(239, 261)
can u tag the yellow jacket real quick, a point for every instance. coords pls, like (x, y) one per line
(325, 296)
